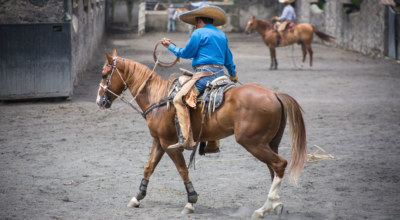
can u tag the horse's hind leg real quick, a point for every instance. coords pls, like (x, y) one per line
(272, 204)
(276, 164)
(304, 50)
(310, 51)
(156, 154)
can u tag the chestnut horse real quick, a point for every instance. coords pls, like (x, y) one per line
(254, 114)
(301, 33)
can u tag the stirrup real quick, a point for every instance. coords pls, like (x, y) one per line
(180, 146)
(177, 146)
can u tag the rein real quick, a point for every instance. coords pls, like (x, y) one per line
(123, 99)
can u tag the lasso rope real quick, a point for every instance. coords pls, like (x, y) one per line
(160, 63)
(293, 61)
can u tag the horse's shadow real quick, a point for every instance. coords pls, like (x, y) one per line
(202, 211)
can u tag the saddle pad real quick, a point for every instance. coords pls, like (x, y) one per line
(213, 97)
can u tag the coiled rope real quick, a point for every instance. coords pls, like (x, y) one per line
(161, 63)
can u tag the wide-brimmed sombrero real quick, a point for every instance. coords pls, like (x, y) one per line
(286, 1)
(214, 12)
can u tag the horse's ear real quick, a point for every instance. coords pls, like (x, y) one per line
(109, 58)
(114, 53)
(253, 17)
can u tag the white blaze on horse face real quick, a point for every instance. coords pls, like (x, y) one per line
(248, 26)
(102, 85)
(98, 99)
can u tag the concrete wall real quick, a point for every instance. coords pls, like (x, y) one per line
(363, 31)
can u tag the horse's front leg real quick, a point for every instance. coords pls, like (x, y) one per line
(179, 161)
(156, 154)
(274, 62)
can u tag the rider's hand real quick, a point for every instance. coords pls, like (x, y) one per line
(234, 78)
(166, 42)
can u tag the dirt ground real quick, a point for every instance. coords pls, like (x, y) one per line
(69, 160)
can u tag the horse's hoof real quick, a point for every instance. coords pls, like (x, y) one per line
(188, 209)
(278, 209)
(134, 203)
(257, 215)
(212, 151)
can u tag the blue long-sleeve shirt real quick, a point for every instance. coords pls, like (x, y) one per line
(207, 45)
(288, 14)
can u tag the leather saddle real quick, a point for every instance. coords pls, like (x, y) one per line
(213, 95)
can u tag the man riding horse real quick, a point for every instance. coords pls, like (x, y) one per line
(284, 22)
(288, 17)
(208, 46)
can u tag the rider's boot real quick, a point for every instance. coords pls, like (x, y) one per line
(187, 142)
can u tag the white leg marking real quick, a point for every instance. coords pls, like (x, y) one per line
(272, 203)
(189, 208)
(273, 191)
(134, 202)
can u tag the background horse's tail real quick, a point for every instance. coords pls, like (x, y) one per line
(322, 35)
(297, 133)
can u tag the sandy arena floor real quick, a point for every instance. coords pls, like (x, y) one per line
(70, 160)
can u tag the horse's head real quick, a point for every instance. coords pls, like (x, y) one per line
(112, 82)
(251, 25)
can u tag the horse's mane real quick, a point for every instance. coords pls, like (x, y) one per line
(264, 24)
(138, 75)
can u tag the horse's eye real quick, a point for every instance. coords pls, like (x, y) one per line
(104, 76)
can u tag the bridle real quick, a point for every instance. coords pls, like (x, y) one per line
(121, 97)
(109, 77)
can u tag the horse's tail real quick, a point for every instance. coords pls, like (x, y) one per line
(297, 133)
(322, 35)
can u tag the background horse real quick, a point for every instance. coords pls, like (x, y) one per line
(301, 33)
(254, 114)
(160, 7)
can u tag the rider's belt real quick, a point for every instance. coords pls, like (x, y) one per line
(198, 75)
(207, 65)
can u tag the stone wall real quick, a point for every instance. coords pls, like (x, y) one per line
(88, 28)
(87, 18)
(363, 31)
(243, 9)
(122, 14)
(238, 15)
(31, 11)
